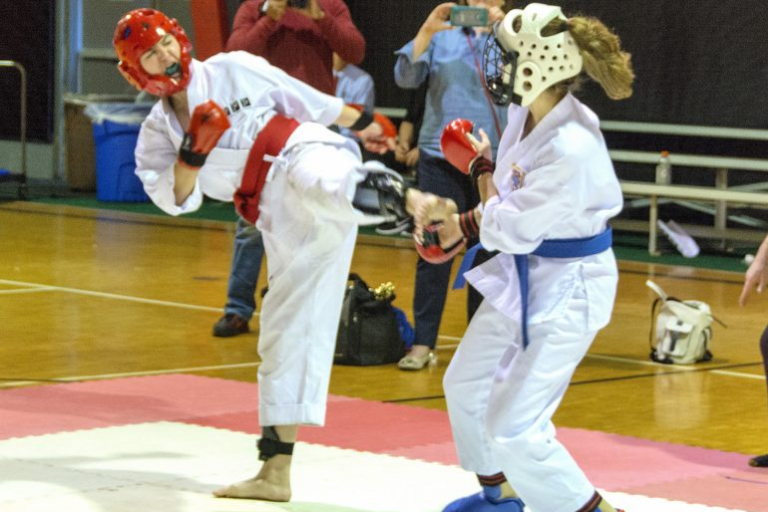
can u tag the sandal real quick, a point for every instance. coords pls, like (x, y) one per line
(413, 363)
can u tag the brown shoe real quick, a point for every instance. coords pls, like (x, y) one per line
(230, 325)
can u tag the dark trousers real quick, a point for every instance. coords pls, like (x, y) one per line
(764, 348)
(437, 176)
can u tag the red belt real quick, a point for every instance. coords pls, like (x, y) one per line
(270, 141)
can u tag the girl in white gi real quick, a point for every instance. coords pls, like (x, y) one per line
(307, 205)
(552, 285)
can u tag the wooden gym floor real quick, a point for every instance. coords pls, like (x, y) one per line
(91, 294)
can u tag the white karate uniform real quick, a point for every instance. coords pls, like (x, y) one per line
(558, 182)
(307, 220)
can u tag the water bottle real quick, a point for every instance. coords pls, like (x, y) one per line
(664, 169)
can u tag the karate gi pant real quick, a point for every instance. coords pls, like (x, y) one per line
(501, 399)
(309, 229)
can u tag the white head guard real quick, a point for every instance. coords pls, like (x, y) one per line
(526, 63)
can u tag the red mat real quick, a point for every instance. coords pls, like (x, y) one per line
(613, 462)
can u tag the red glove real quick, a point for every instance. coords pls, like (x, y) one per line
(388, 127)
(208, 124)
(389, 130)
(429, 246)
(455, 147)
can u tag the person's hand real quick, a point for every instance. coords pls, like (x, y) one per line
(312, 10)
(412, 157)
(449, 231)
(380, 136)
(754, 279)
(276, 9)
(208, 123)
(428, 208)
(457, 148)
(401, 150)
(438, 19)
(440, 242)
(483, 145)
(433, 209)
(495, 14)
(374, 139)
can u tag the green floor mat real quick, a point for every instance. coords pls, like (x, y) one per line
(210, 210)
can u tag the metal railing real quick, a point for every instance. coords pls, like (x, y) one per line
(687, 195)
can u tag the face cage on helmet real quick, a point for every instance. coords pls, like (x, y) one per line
(499, 68)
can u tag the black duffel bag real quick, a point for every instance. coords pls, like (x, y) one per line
(369, 332)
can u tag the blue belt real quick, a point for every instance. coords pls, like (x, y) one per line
(559, 248)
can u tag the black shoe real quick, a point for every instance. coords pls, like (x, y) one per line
(230, 325)
(761, 461)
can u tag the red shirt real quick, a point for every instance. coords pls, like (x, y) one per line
(297, 44)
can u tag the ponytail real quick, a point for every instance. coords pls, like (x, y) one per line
(604, 60)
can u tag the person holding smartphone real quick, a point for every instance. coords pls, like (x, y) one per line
(299, 37)
(449, 58)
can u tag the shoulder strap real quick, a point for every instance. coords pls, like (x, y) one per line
(656, 288)
(654, 312)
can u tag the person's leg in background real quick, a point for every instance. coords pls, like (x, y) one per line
(248, 250)
(436, 176)
(474, 298)
(761, 461)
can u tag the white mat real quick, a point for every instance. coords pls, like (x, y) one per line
(173, 467)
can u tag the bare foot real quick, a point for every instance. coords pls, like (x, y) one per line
(257, 488)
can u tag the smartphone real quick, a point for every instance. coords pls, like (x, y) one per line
(464, 16)
(298, 4)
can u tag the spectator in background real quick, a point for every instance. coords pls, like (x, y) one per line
(449, 60)
(301, 42)
(407, 150)
(755, 279)
(407, 154)
(354, 86)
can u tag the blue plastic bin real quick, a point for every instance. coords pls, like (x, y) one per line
(115, 163)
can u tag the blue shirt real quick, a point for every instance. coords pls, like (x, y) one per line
(354, 85)
(455, 86)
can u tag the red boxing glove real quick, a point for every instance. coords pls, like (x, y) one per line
(459, 152)
(389, 130)
(208, 124)
(429, 246)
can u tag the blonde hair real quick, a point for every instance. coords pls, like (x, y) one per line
(604, 60)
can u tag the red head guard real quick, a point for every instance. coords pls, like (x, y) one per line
(136, 33)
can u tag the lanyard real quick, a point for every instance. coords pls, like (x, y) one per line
(482, 84)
